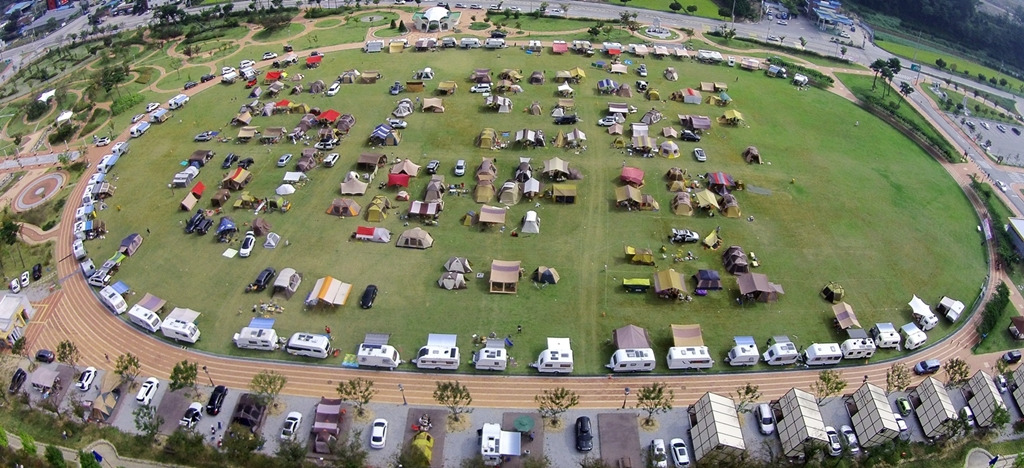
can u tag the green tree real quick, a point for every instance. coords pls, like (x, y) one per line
(240, 443)
(87, 460)
(905, 91)
(565, 8)
(185, 446)
(877, 66)
(67, 353)
(628, 19)
(4, 443)
(675, 6)
(28, 444)
(54, 457)
(8, 230)
(803, 42)
(830, 383)
(183, 375)
(19, 348)
(266, 386)
(274, 22)
(939, 62)
(958, 372)
(359, 391)
(897, 378)
(552, 403)
(349, 452)
(654, 398)
(411, 457)
(290, 454)
(147, 421)
(746, 396)
(691, 9)
(454, 396)
(842, 51)
(128, 367)
(1000, 417)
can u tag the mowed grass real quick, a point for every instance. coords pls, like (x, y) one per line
(859, 205)
(927, 56)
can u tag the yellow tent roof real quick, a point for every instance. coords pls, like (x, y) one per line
(732, 114)
(578, 72)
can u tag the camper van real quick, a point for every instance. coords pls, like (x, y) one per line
(144, 318)
(105, 164)
(858, 348)
(885, 335)
(632, 360)
(248, 73)
(100, 278)
(180, 330)
(823, 354)
(913, 335)
(556, 359)
(781, 352)
(88, 268)
(689, 357)
(229, 78)
(469, 43)
(120, 148)
(309, 345)
(449, 42)
(492, 357)
(159, 116)
(744, 353)
(950, 308)
(375, 351)
(494, 43)
(113, 300)
(78, 248)
(263, 339)
(139, 129)
(439, 353)
(177, 102)
(923, 314)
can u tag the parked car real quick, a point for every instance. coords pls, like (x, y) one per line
(967, 414)
(433, 166)
(246, 163)
(1015, 130)
(659, 457)
(263, 279)
(642, 70)
(216, 400)
(85, 380)
(205, 136)
(283, 160)
(333, 90)
(607, 121)
(148, 391)
(229, 160)
(316, 53)
(379, 433)
(25, 279)
(102, 141)
(137, 117)
(680, 457)
(683, 236)
(765, 419)
(1000, 382)
(985, 126)
(567, 119)
(498, 34)
(192, 415)
(207, 77)
(396, 88)
(834, 447)
(288, 48)
(481, 88)
(398, 123)
(460, 170)
(331, 159)
(204, 226)
(901, 424)
(850, 438)
(194, 221)
(325, 144)
(190, 84)
(15, 286)
(929, 366)
(700, 155)
(152, 106)
(782, 22)
(247, 244)
(45, 355)
(17, 380)
(1011, 357)
(269, 55)
(688, 135)
(291, 425)
(369, 295)
(1001, 128)
(37, 271)
(584, 434)
(903, 406)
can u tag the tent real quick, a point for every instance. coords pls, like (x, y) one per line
(226, 228)
(563, 193)
(537, 78)
(756, 286)
(708, 280)
(371, 161)
(624, 90)
(378, 209)
(607, 86)
(415, 238)
(681, 204)
(487, 139)
(679, 186)
(651, 117)
(344, 207)
(631, 337)
(633, 176)
(833, 292)
(669, 284)
(719, 182)
(535, 108)
(735, 260)
(492, 215)
(372, 234)
(435, 105)
(618, 68)
(675, 173)
(531, 223)
(524, 171)
(730, 206)
(505, 276)
(328, 291)
(845, 318)
(545, 275)
(272, 240)
(627, 196)
(487, 170)
(447, 87)
(669, 149)
(575, 138)
(615, 129)
(733, 117)
(509, 193)
(752, 155)
(670, 73)
(669, 132)
(130, 244)
(638, 255)
(287, 283)
(398, 180)
(556, 168)
(451, 280)
(458, 264)
(352, 185)
(237, 179)
(481, 75)
(285, 189)
(484, 191)
(220, 197)
(260, 227)
(706, 199)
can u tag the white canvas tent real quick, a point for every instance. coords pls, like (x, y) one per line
(451, 280)
(353, 185)
(285, 189)
(531, 223)
(458, 265)
(328, 291)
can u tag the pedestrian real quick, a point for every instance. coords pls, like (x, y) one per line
(213, 429)
(220, 425)
(107, 357)
(327, 329)
(865, 378)
(519, 329)
(64, 435)
(147, 231)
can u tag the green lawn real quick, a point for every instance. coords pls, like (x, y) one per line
(278, 34)
(927, 56)
(957, 98)
(353, 30)
(705, 8)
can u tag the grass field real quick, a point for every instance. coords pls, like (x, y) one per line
(927, 56)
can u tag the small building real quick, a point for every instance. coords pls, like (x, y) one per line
(717, 436)
(933, 408)
(1015, 228)
(983, 398)
(799, 422)
(1017, 384)
(435, 19)
(872, 416)
(15, 314)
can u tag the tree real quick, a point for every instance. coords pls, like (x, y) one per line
(887, 76)
(595, 30)
(746, 395)
(655, 398)
(565, 8)
(939, 62)
(830, 383)
(1000, 417)
(147, 421)
(28, 444)
(274, 22)
(691, 9)
(19, 348)
(359, 391)
(454, 396)
(54, 457)
(184, 375)
(267, 385)
(905, 91)
(958, 372)
(290, 454)
(68, 353)
(842, 50)
(87, 460)
(1003, 82)
(127, 366)
(675, 6)
(628, 19)
(897, 378)
(552, 403)
(803, 42)
(877, 66)
(239, 443)
(349, 452)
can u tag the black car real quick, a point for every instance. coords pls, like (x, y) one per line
(499, 34)
(190, 85)
(567, 119)
(369, 295)
(288, 48)
(229, 160)
(194, 221)
(216, 400)
(37, 271)
(263, 279)
(45, 355)
(1015, 130)
(207, 77)
(689, 136)
(245, 163)
(584, 436)
(204, 226)
(1012, 357)
(432, 166)
(17, 380)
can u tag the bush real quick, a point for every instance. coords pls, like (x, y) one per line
(62, 134)
(314, 13)
(36, 109)
(125, 103)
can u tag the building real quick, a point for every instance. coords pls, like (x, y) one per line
(717, 437)
(872, 416)
(435, 19)
(1015, 228)
(15, 314)
(799, 423)
(983, 398)
(933, 407)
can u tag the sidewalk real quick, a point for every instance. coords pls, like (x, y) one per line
(102, 447)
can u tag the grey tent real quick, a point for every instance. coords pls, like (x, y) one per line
(708, 280)
(452, 280)
(458, 265)
(631, 336)
(415, 238)
(287, 283)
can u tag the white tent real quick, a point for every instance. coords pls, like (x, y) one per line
(285, 189)
(272, 240)
(531, 223)
(293, 177)
(565, 89)
(452, 280)
(373, 234)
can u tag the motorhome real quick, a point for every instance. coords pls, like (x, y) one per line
(160, 115)
(781, 352)
(497, 446)
(913, 335)
(263, 339)
(78, 248)
(858, 346)
(556, 359)
(494, 43)
(144, 318)
(309, 345)
(689, 357)
(449, 42)
(439, 353)
(923, 315)
(113, 300)
(375, 351)
(823, 354)
(491, 357)
(632, 360)
(950, 308)
(177, 102)
(139, 129)
(180, 328)
(120, 148)
(229, 78)
(469, 43)
(885, 335)
(744, 353)
(105, 164)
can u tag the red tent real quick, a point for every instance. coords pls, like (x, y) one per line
(560, 47)
(632, 176)
(330, 115)
(198, 189)
(398, 180)
(272, 77)
(282, 103)
(312, 62)
(614, 51)
(720, 178)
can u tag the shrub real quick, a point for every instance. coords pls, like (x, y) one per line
(36, 109)
(62, 134)
(125, 102)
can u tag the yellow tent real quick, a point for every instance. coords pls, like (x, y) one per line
(423, 442)
(578, 73)
(706, 199)
(712, 241)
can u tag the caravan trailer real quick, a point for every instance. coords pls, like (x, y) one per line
(951, 308)
(914, 336)
(144, 318)
(689, 357)
(782, 352)
(375, 351)
(113, 300)
(439, 353)
(632, 360)
(923, 314)
(858, 346)
(309, 345)
(885, 335)
(263, 339)
(823, 354)
(556, 359)
(744, 353)
(491, 357)
(139, 129)
(180, 330)
(78, 248)
(177, 102)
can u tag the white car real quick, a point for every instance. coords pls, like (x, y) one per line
(283, 160)
(659, 457)
(15, 286)
(460, 5)
(555, 11)
(192, 415)
(700, 155)
(102, 141)
(333, 89)
(851, 439)
(834, 447)
(152, 106)
(269, 55)
(398, 123)
(85, 380)
(844, 35)
(291, 425)
(607, 121)
(901, 423)
(460, 168)
(514, 8)
(967, 414)
(379, 433)
(680, 457)
(782, 22)
(475, 7)
(765, 421)
(138, 117)
(481, 88)
(227, 70)
(148, 391)
(986, 126)
(246, 64)
(24, 279)
(247, 244)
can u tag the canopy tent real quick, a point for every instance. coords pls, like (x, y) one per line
(435, 105)
(631, 337)
(756, 286)
(287, 283)
(415, 238)
(492, 215)
(556, 168)
(919, 307)
(352, 185)
(627, 196)
(545, 275)
(565, 90)
(845, 318)
(686, 335)
(563, 193)
(669, 284)
(708, 280)
(505, 276)
(633, 176)
(706, 199)
(285, 189)
(328, 291)
(398, 180)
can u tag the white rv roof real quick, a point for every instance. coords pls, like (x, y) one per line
(139, 311)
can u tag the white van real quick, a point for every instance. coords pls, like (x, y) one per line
(331, 159)
(469, 43)
(263, 339)
(309, 345)
(823, 354)
(632, 360)
(113, 300)
(177, 102)
(556, 359)
(229, 78)
(144, 318)
(375, 351)
(689, 357)
(101, 278)
(744, 353)
(494, 43)
(139, 129)
(78, 248)
(120, 148)
(492, 357)
(781, 352)
(439, 353)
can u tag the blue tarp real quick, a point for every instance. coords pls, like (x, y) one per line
(261, 323)
(121, 287)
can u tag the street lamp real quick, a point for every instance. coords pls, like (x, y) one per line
(624, 396)
(208, 376)
(402, 389)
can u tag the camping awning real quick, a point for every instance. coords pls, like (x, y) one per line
(687, 335)
(152, 302)
(120, 287)
(631, 336)
(183, 314)
(845, 316)
(44, 378)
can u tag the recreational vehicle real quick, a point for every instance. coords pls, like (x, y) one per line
(248, 73)
(496, 445)
(144, 318)
(632, 360)
(923, 314)
(88, 267)
(885, 335)
(913, 335)
(375, 351)
(159, 116)
(469, 43)
(177, 102)
(744, 353)
(78, 248)
(492, 357)
(120, 148)
(309, 345)
(858, 346)
(823, 354)
(179, 330)
(494, 43)
(689, 357)
(950, 307)
(782, 352)
(439, 353)
(229, 78)
(139, 129)
(113, 300)
(556, 359)
(448, 42)
(263, 339)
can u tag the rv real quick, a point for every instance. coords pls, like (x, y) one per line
(229, 78)
(104, 165)
(113, 300)
(497, 446)
(448, 42)
(744, 353)
(88, 268)
(180, 330)
(632, 360)
(885, 335)
(781, 352)
(913, 335)
(249, 74)
(78, 248)
(469, 43)
(689, 357)
(439, 353)
(177, 102)
(139, 129)
(159, 115)
(309, 345)
(375, 351)
(492, 357)
(144, 318)
(823, 354)
(858, 346)
(372, 47)
(556, 359)
(120, 148)
(426, 73)
(494, 43)
(923, 314)
(263, 339)
(951, 308)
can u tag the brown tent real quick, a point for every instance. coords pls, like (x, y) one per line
(220, 198)
(260, 227)
(505, 276)
(752, 155)
(735, 260)
(675, 173)
(537, 78)
(371, 161)
(681, 204)
(344, 207)
(631, 336)
(669, 284)
(756, 286)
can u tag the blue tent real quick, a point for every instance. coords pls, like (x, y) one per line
(226, 226)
